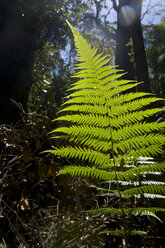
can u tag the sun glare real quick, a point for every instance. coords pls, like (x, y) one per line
(127, 15)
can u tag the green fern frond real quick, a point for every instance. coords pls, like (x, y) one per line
(104, 175)
(144, 212)
(152, 196)
(88, 172)
(91, 119)
(117, 100)
(133, 117)
(128, 183)
(143, 169)
(152, 150)
(83, 154)
(144, 196)
(140, 141)
(133, 211)
(122, 233)
(137, 129)
(152, 189)
(107, 128)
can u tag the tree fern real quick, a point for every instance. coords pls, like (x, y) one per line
(108, 129)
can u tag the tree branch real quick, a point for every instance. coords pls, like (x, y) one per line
(115, 6)
(108, 33)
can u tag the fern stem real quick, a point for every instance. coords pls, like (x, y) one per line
(124, 243)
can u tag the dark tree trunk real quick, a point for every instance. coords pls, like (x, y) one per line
(139, 69)
(141, 65)
(15, 80)
(122, 58)
(17, 48)
(123, 36)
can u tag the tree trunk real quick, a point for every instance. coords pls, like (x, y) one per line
(123, 36)
(122, 58)
(15, 81)
(139, 69)
(17, 48)
(141, 65)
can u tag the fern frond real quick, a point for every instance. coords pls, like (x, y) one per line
(140, 141)
(122, 233)
(133, 211)
(91, 119)
(129, 183)
(117, 100)
(88, 172)
(132, 106)
(152, 196)
(144, 196)
(137, 129)
(152, 189)
(104, 175)
(97, 109)
(145, 169)
(144, 212)
(85, 131)
(152, 150)
(133, 117)
(82, 153)
(108, 129)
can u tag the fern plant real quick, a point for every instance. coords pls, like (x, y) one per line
(108, 129)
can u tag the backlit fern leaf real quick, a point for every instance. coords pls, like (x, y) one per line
(108, 129)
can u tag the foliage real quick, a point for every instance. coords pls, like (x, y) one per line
(26, 28)
(156, 57)
(36, 208)
(108, 129)
(21, 184)
(50, 76)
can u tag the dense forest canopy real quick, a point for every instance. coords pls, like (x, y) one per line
(37, 62)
